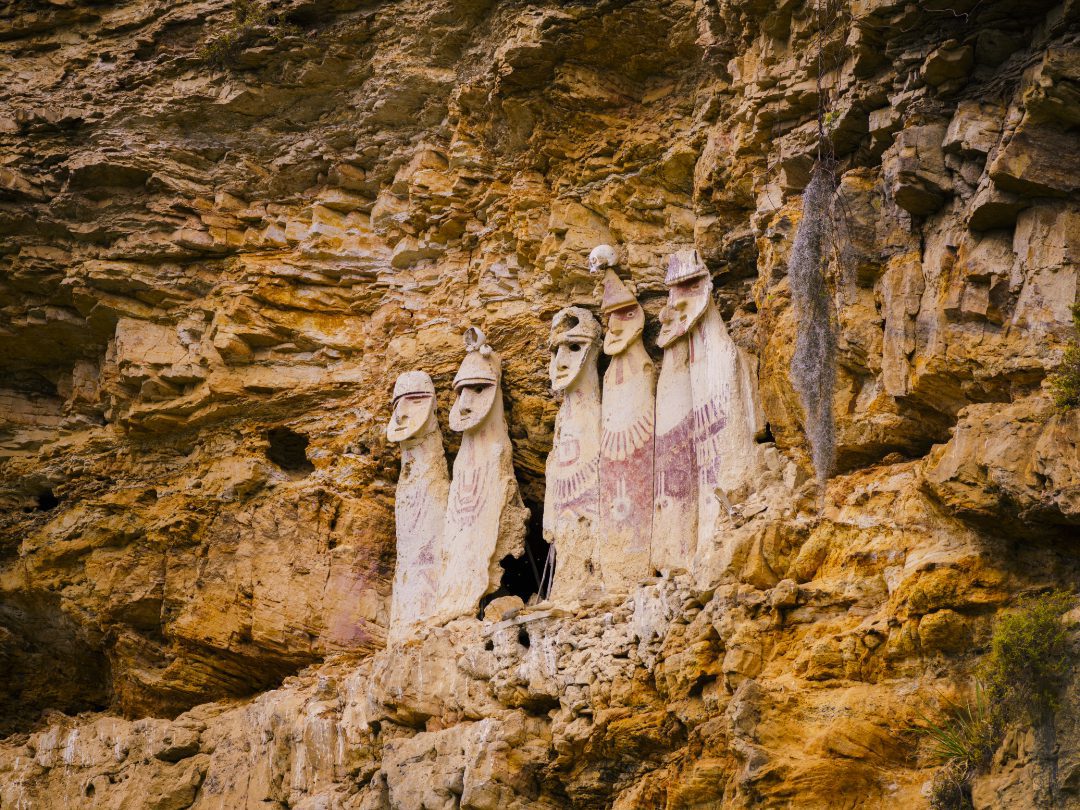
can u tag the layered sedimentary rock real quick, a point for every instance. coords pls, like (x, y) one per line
(787, 691)
(228, 227)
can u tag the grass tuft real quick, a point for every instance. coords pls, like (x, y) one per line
(968, 734)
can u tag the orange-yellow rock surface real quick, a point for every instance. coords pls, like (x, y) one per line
(226, 227)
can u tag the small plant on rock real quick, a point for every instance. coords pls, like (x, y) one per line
(951, 789)
(1065, 382)
(964, 741)
(1019, 681)
(1030, 657)
(250, 19)
(969, 733)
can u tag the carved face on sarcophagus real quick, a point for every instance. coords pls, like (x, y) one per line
(625, 317)
(689, 288)
(414, 407)
(575, 336)
(419, 502)
(485, 518)
(476, 383)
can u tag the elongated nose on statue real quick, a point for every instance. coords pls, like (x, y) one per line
(411, 414)
(474, 401)
(567, 360)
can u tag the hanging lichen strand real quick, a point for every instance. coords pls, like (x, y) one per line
(813, 366)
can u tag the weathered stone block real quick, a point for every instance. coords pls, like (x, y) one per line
(947, 63)
(992, 208)
(914, 168)
(1038, 161)
(974, 128)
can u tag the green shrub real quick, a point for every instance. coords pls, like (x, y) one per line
(1029, 657)
(1065, 382)
(250, 19)
(1018, 682)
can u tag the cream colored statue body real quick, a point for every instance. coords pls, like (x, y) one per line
(674, 529)
(572, 484)
(675, 526)
(724, 446)
(723, 435)
(485, 518)
(626, 444)
(420, 503)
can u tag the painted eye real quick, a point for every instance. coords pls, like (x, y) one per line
(575, 347)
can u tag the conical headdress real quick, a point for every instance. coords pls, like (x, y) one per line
(481, 364)
(684, 265)
(616, 294)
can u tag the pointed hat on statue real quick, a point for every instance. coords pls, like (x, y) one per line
(481, 364)
(616, 294)
(684, 265)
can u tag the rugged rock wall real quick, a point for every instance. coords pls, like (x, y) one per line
(227, 227)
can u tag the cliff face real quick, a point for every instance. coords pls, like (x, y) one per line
(228, 226)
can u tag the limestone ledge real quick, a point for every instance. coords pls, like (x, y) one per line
(544, 709)
(794, 679)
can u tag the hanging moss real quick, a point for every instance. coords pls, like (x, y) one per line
(813, 366)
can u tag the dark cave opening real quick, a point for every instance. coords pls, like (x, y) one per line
(526, 576)
(47, 500)
(288, 449)
(765, 436)
(47, 662)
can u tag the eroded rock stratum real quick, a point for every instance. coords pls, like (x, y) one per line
(223, 238)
